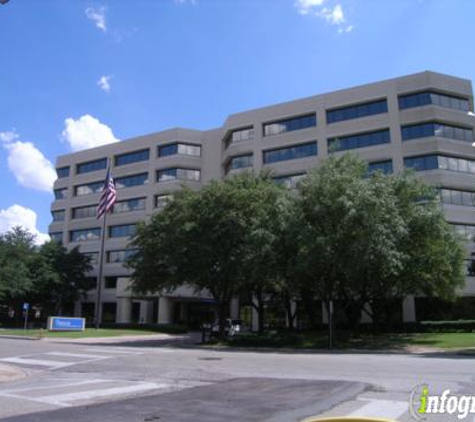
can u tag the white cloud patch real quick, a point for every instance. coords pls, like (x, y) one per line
(333, 14)
(192, 2)
(16, 215)
(27, 163)
(104, 83)
(87, 132)
(98, 16)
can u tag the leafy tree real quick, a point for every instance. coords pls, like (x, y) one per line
(59, 276)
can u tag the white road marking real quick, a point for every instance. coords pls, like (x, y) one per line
(382, 409)
(77, 355)
(113, 351)
(37, 362)
(49, 387)
(65, 399)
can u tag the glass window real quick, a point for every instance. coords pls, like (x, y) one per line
(62, 172)
(120, 256)
(288, 125)
(179, 148)
(290, 153)
(110, 282)
(132, 157)
(161, 201)
(85, 235)
(93, 257)
(89, 188)
(178, 173)
(361, 140)
(84, 212)
(357, 111)
(91, 166)
(124, 230)
(457, 197)
(135, 204)
(129, 181)
(238, 162)
(240, 135)
(61, 193)
(56, 237)
(423, 130)
(289, 181)
(384, 166)
(428, 97)
(430, 162)
(58, 215)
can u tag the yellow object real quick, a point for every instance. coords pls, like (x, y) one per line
(347, 419)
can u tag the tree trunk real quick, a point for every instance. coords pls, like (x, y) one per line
(290, 314)
(329, 309)
(221, 317)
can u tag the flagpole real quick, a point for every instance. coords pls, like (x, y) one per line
(101, 270)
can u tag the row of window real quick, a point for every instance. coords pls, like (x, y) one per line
(94, 234)
(177, 148)
(457, 197)
(442, 162)
(423, 130)
(466, 230)
(362, 140)
(110, 282)
(353, 111)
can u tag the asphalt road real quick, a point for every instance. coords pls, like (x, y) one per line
(167, 380)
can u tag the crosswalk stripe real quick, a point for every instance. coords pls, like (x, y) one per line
(121, 352)
(64, 399)
(76, 355)
(382, 408)
(37, 362)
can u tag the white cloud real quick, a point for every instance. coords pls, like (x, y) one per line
(98, 16)
(27, 163)
(87, 132)
(16, 215)
(334, 15)
(192, 2)
(104, 84)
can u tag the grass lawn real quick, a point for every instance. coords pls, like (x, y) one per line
(89, 332)
(394, 341)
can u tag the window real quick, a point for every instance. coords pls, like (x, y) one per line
(120, 256)
(61, 193)
(93, 257)
(288, 125)
(357, 111)
(129, 181)
(290, 153)
(85, 235)
(423, 130)
(110, 282)
(89, 188)
(420, 99)
(466, 230)
(240, 135)
(431, 162)
(91, 166)
(179, 148)
(178, 173)
(84, 212)
(385, 166)
(239, 162)
(361, 140)
(58, 215)
(457, 197)
(129, 205)
(132, 157)
(62, 172)
(56, 237)
(124, 230)
(289, 181)
(161, 201)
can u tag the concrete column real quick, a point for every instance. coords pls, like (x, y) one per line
(146, 312)
(165, 310)
(255, 320)
(293, 309)
(124, 310)
(324, 314)
(77, 308)
(409, 309)
(234, 308)
(183, 311)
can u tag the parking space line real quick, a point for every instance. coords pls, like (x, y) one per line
(37, 362)
(381, 408)
(113, 351)
(76, 355)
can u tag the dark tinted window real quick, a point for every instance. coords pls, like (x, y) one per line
(356, 111)
(423, 130)
(128, 181)
(420, 99)
(61, 193)
(288, 125)
(385, 166)
(179, 148)
(62, 172)
(290, 153)
(84, 212)
(91, 166)
(289, 181)
(135, 204)
(124, 230)
(239, 135)
(56, 237)
(178, 173)
(88, 188)
(58, 215)
(361, 140)
(84, 235)
(241, 161)
(132, 157)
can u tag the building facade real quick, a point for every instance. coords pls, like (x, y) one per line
(422, 121)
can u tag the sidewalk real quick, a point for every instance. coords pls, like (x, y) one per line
(10, 373)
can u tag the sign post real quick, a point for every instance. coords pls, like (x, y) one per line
(26, 307)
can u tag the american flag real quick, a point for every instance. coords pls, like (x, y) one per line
(108, 197)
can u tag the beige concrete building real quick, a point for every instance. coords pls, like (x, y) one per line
(423, 121)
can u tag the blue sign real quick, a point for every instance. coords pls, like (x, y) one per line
(26, 306)
(66, 324)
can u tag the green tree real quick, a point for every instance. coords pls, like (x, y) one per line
(59, 277)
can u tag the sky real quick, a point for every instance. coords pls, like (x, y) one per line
(76, 74)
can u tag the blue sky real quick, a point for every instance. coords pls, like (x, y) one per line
(76, 74)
